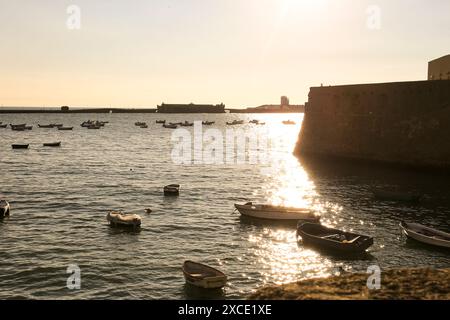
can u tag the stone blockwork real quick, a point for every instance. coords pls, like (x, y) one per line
(406, 123)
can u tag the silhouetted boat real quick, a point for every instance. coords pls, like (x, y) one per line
(46, 126)
(20, 146)
(87, 124)
(388, 195)
(138, 124)
(125, 220)
(172, 190)
(161, 121)
(203, 276)
(235, 122)
(65, 128)
(3, 126)
(254, 121)
(18, 125)
(425, 234)
(321, 237)
(57, 125)
(289, 122)
(208, 123)
(186, 124)
(4, 208)
(271, 212)
(52, 144)
(176, 123)
(170, 126)
(28, 127)
(94, 127)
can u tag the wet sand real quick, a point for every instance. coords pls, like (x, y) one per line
(398, 284)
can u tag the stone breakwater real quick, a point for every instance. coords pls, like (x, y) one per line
(402, 123)
(399, 284)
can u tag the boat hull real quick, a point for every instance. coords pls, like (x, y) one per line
(415, 231)
(316, 239)
(274, 214)
(120, 220)
(216, 280)
(20, 146)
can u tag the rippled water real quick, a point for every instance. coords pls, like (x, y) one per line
(60, 197)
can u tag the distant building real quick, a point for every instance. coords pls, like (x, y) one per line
(191, 108)
(284, 106)
(439, 69)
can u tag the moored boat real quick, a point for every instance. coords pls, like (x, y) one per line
(170, 126)
(426, 234)
(126, 220)
(187, 124)
(57, 125)
(138, 124)
(28, 127)
(203, 276)
(271, 212)
(208, 123)
(65, 128)
(235, 122)
(18, 128)
(289, 122)
(5, 208)
(45, 126)
(52, 144)
(321, 237)
(172, 190)
(160, 121)
(3, 126)
(20, 146)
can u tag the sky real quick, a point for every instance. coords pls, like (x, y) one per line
(243, 53)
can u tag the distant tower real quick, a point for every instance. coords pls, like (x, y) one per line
(284, 102)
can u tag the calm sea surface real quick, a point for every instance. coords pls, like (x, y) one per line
(60, 197)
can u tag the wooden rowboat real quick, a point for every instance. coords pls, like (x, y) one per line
(172, 190)
(3, 126)
(47, 126)
(160, 121)
(425, 234)
(53, 144)
(203, 276)
(170, 126)
(270, 212)
(65, 128)
(20, 146)
(4, 209)
(117, 219)
(334, 240)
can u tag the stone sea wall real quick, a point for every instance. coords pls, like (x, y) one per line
(406, 123)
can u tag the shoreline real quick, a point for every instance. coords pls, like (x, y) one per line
(396, 284)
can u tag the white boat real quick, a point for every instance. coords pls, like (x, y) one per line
(271, 212)
(425, 234)
(203, 276)
(4, 208)
(120, 219)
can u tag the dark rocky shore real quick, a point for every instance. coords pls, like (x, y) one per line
(411, 284)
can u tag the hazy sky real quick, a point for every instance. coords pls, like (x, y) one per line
(239, 52)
